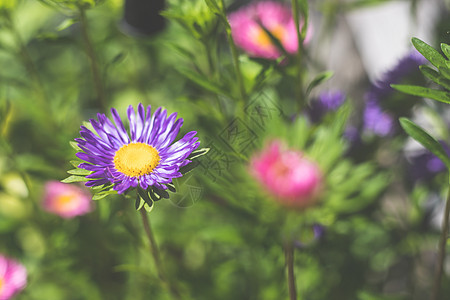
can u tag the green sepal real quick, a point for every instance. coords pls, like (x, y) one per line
(161, 193)
(74, 145)
(76, 163)
(79, 171)
(322, 77)
(139, 202)
(103, 194)
(144, 195)
(435, 76)
(148, 208)
(74, 178)
(444, 71)
(197, 153)
(189, 167)
(171, 187)
(441, 96)
(426, 140)
(431, 54)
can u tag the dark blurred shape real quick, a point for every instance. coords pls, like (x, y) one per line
(327, 101)
(142, 17)
(425, 165)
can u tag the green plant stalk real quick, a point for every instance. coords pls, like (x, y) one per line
(235, 56)
(441, 254)
(98, 84)
(289, 257)
(157, 258)
(299, 84)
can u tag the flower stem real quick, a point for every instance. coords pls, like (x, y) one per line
(299, 78)
(289, 257)
(441, 254)
(235, 56)
(98, 84)
(157, 258)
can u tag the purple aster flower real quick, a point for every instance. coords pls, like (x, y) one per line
(326, 102)
(146, 156)
(13, 277)
(403, 69)
(425, 165)
(376, 120)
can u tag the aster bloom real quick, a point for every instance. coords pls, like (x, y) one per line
(425, 165)
(377, 121)
(379, 113)
(247, 29)
(287, 175)
(13, 277)
(144, 157)
(327, 101)
(66, 200)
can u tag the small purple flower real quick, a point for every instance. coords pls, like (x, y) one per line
(13, 277)
(318, 232)
(327, 101)
(146, 156)
(425, 165)
(380, 114)
(377, 121)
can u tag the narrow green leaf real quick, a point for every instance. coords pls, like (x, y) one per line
(320, 78)
(103, 194)
(74, 178)
(203, 81)
(66, 24)
(425, 139)
(78, 171)
(419, 91)
(431, 54)
(446, 49)
(435, 76)
(445, 71)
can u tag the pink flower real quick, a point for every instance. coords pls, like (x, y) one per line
(250, 36)
(287, 175)
(66, 200)
(13, 277)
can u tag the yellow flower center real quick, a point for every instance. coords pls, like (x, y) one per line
(64, 201)
(263, 39)
(1, 283)
(136, 159)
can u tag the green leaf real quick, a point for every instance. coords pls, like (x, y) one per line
(419, 91)
(435, 76)
(425, 139)
(203, 81)
(431, 54)
(78, 171)
(445, 72)
(322, 77)
(74, 178)
(66, 24)
(446, 49)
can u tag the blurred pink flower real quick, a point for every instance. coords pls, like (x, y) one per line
(66, 200)
(275, 17)
(13, 277)
(287, 175)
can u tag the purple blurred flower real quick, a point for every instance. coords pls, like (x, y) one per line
(327, 101)
(318, 232)
(379, 114)
(13, 277)
(425, 165)
(377, 121)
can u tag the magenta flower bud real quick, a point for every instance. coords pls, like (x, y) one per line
(247, 29)
(287, 175)
(13, 277)
(66, 200)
